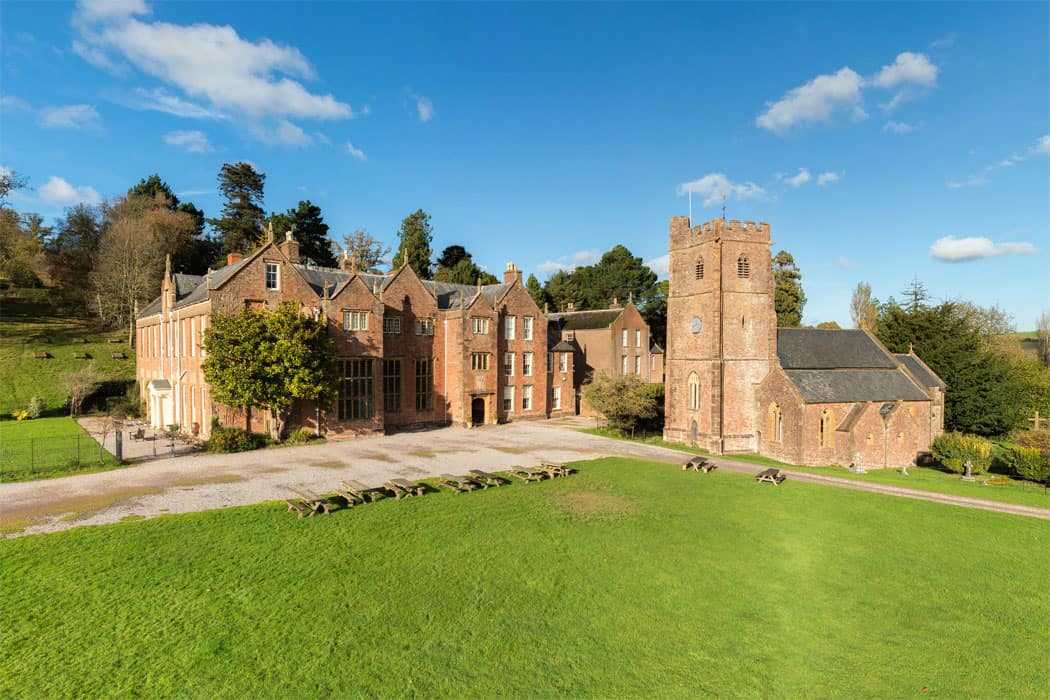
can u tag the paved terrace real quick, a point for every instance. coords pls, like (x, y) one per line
(199, 482)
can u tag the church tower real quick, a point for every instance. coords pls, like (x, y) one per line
(721, 332)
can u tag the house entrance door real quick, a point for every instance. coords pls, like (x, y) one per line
(477, 411)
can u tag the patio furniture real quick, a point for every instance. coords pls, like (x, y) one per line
(487, 478)
(360, 491)
(313, 502)
(526, 474)
(771, 475)
(459, 484)
(554, 469)
(351, 499)
(699, 463)
(404, 487)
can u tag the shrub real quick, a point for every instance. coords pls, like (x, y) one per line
(35, 407)
(300, 436)
(1027, 462)
(232, 440)
(952, 450)
(1039, 439)
(20, 415)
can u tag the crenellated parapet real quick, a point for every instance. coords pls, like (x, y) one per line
(683, 235)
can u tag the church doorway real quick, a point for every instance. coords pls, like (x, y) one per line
(694, 433)
(477, 411)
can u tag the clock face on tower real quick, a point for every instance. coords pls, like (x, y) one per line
(695, 325)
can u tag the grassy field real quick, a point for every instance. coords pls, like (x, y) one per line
(1017, 491)
(22, 326)
(1026, 342)
(47, 447)
(627, 579)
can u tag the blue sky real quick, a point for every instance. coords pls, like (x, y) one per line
(882, 142)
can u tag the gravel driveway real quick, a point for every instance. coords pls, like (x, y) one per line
(203, 481)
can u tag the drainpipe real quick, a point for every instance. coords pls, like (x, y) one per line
(721, 352)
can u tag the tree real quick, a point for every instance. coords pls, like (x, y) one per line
(1043, 338)
(367, 251)
(310, 231)
(9, 182)
(21, 253)
(915, 296)
(537, 292)
(863, 309)
(561, 290)
(196, 253)
(829, 326)
(618, 275)
(80, 384)
(72, 251)
(240, 227)
(137, 238)
(655, 313)
(457, 266)
(624, 400)
(788, 297)
(415, 237)
(270, 360)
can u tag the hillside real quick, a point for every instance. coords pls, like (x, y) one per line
(1025, 342)
(29, 324)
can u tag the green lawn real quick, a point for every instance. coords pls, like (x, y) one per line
(23, 324)
(629, 579)
(1017, 491)
(47, 447)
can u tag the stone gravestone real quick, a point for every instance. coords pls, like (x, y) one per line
(856, 467)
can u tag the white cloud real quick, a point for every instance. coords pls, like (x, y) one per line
(661, 266)
(568, 263)
(712, 186)
(320, 136)
(70, 117)
(97, 57)
(828, 178)
(9, 103)
(59, 192)
(191, 141)
(909, 68)
(798, 180)
(816, 101)
(944, 41)
(195, 193)
(952, 249)
(424, 107)
(972, 181)
(898, 127)
(159, 100)
(6, 172)
(259, 81)
(844, 262)
(355, 152)
(1042, 145)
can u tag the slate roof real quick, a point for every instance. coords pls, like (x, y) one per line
(812, 348)
(450, 295)
(191, 289)
(852, 385)
(563, 346)
(920, 371)
(585, 320)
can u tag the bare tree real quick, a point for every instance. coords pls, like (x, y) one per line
(80, 384)
(1043, 337)
(863, 308)
(368, 251)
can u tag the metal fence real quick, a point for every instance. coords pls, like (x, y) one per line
(29, 456)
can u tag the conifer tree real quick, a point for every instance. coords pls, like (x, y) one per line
(415, 237)
(788, 297)
(310, 231)
(240, 226)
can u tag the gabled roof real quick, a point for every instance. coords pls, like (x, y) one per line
(562, 346)
(812, 348)
(192, 289)
(919, 369)
(852, 385)
(585, 320)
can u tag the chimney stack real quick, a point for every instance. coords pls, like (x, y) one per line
(232, 258)
(511, 273)
(290, 246)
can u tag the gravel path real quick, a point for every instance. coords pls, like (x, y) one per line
(203, 482)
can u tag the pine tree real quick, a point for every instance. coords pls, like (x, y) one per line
(240, 227)
(416, 236)
(789, 299)
(537, 292)
(915, 296)
(310, 231)
(456, 265)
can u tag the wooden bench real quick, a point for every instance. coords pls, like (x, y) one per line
(554, 469)
(700, 464)
(526, 474)
(360, 491)
(487, 478)
(404, 487)
(40, 355)
(118, 355)
(771, 475)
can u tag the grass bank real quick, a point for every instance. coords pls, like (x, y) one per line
(1004, 488)
(48, 447)
(627, 579)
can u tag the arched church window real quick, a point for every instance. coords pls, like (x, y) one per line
(743, 266)
(699, 268)
(827, 429)
(776, 426)
(694, 391)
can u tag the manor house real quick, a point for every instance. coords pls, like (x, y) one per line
(412, 352)
(738, 384)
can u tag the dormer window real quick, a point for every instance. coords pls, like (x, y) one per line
(743, 267)
(273, 275)
(699, 268)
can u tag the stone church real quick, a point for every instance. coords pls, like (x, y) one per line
(737, 384)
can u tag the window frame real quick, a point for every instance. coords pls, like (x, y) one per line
(526, 364)
(275, 267)
(526, 397)
(355, 320)
(424, 382)
(510, 324)
(389, 322)
(508, 364)
(526, 327)
(392, 387)
(479, 325)
(479, 361)
(508, 399)
(356, 397)
(424, 326)
(556, 398)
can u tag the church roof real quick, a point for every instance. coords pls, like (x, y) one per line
(813, 348)
(852, 385)
(585, 320)
(926, 376)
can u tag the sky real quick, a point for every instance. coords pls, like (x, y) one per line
(883, 143)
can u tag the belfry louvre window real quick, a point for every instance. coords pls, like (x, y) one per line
(424, 326)
(743, 266)
(355, 320)
(424, 384)
(699, 268)
(391, 386)
(356, 389)
(479, 361)
(392, 325)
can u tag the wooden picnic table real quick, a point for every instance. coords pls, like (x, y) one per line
(459, 484)
(487, 478)
(699, 463)
(526, 474)
(404, 487)
(308, 504)
(772, 475)
(360, 491)
(554, 469)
